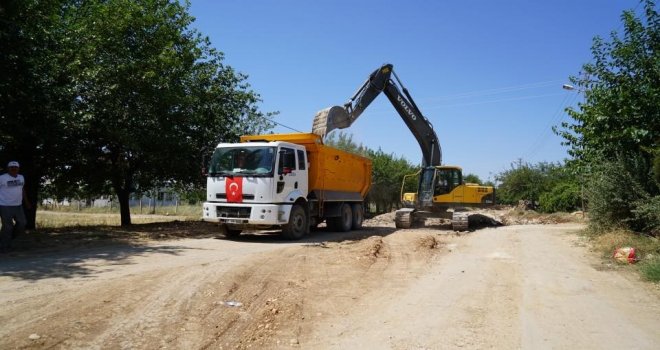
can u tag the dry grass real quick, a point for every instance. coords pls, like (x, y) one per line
(607, 242)
(71, 217)
(647, 249)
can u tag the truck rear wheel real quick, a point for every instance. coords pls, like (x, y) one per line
(358, 216)
(297, 226)
(344, 221)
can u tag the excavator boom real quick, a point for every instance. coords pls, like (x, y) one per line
(340, 117)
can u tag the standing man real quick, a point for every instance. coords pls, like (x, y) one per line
(12, 196)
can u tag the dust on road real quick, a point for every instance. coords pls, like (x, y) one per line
(529, 286)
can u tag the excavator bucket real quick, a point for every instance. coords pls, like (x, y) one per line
(331, 118)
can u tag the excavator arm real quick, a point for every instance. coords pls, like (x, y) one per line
(340, 117)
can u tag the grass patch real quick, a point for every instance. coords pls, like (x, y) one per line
(647, 249)
(651, 269)
(71, 217)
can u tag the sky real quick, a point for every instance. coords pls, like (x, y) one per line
(488, 75)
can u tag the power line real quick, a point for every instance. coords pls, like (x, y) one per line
(556, 119)
(493, 101)
(280, 124)
(538, 144)
(495, 91)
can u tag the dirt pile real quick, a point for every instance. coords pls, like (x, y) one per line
(291, 290)
(480, 218)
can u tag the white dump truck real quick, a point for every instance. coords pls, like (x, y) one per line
(287, 181)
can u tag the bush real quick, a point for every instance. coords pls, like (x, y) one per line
(647, 215)
(651, 269)
(563, 197)
(613, 190)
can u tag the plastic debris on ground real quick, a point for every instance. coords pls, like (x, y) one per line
(625, 255)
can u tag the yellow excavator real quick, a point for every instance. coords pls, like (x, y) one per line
(441, 192)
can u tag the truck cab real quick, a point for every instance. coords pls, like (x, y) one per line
(255, 183)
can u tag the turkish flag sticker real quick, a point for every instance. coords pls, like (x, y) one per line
(234, 189)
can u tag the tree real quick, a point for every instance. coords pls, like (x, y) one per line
(34, 90)
(552, 185)
(472, 178)
(615, 132)
(344, 141)
(114, 96)
(621, 86)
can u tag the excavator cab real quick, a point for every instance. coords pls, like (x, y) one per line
(448, 191)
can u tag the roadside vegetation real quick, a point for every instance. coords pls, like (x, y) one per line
(614, 137)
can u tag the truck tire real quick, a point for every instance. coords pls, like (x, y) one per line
(358, 216)
(343, 222)
(230, 233)
(297, 226)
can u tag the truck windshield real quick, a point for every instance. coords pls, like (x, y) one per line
(253, 161)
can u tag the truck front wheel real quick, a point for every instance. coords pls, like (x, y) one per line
(230, 233)
(297, 226)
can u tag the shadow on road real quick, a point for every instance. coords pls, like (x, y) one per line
(79, 251)
(77, 262)
(316, 236)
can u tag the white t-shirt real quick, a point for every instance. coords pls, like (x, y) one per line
(11, 189)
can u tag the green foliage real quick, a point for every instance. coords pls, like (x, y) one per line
(388, 173)
(472, 178)
(563, 197)
(528, 181)
(647, 215)
(613, 190)
(620, 112)
(615, 132)
(553, 186)
(119, 94)
(656, 166)
(344, 141)
(34, 89)
(651, 269)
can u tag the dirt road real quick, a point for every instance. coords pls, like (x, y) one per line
(530, 287)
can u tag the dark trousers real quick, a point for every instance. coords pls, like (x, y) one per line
(13, 224)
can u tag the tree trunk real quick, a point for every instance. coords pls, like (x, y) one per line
(31, 213)
(31, 190)
(124, 207)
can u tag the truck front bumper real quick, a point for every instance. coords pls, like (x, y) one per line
(246, 214)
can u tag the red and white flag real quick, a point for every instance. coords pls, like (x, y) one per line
(234, 189)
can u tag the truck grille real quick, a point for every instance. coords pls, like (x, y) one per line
(234, 212)
(224, 196)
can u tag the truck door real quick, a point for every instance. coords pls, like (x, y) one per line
(287, 177)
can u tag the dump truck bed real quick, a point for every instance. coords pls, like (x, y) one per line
(330, 169)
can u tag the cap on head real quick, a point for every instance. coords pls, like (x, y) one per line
(13, 164)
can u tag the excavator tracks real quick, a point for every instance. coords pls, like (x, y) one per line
(460, 221)
(403, 218)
